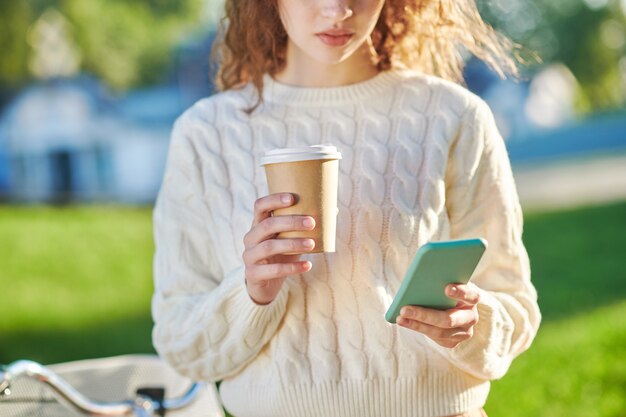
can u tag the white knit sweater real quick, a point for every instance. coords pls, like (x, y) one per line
(422, 161)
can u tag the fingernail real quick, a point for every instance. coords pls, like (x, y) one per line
(308, 222)
(453, 289)
(406, 312)
(309, 243)
(286, 198)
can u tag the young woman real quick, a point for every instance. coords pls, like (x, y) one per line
(305, 335)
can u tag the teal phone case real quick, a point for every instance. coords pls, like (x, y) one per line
(435, 265)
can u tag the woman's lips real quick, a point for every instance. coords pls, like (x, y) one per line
(335, 38)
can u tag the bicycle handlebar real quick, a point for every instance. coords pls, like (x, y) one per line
(34, 370)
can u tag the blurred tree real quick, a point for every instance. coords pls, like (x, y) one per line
(126, 43)
(588, 36)
(15, 17)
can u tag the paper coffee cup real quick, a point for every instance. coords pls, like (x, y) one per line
(311, 175)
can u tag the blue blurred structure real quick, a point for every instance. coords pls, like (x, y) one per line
(69, 140)
(596, 135)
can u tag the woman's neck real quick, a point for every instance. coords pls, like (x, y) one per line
(311, 73)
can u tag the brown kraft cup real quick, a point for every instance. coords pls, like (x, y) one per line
(311, 175)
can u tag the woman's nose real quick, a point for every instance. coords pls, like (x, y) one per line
(336, 9)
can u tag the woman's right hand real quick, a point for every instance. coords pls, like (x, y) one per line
(267, 264)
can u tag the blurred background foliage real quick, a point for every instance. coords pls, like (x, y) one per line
(126, 44)
(588, 36)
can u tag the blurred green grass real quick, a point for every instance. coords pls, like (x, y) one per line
(76, 283)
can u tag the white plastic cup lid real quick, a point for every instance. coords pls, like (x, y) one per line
(308, 153)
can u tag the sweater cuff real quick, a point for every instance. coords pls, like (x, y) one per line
(257, 323)
(486, 354)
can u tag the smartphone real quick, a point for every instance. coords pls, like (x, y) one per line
(435, 265)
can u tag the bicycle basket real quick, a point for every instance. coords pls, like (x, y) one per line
(106, 380)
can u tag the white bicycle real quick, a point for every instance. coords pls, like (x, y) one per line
(130, 385)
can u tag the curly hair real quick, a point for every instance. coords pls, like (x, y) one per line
(430, 36)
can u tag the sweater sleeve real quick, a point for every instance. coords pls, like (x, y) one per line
(482, 201)
(206, 325)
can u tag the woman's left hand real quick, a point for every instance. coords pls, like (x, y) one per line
(450, 327)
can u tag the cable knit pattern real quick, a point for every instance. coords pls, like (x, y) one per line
(422, 160)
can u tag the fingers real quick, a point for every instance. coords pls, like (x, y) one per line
(270, 226)
(266, 272)
(446, 319)
(448, 338)
(448, 328)
(264, 206)
(271, 247)
(465, 294)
